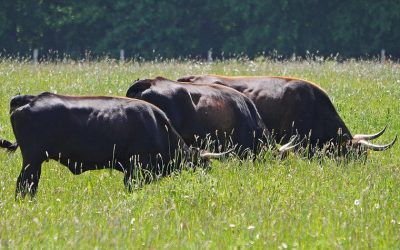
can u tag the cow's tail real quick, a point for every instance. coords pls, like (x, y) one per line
(11, 147)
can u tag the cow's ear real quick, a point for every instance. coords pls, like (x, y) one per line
(138, 87)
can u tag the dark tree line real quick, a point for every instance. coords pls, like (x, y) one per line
(177, 28)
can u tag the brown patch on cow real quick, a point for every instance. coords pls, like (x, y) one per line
(216, 111)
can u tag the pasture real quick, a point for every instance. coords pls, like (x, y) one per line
(296, 203)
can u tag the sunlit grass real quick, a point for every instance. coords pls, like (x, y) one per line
(295, 203)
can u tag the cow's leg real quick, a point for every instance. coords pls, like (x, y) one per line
(138, 172)
(136, 177)
(132, 172)
(128, 177)
(28, 179)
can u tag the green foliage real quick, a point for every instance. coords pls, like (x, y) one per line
(294, 203)
(177, 28)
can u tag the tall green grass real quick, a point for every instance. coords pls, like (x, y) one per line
(296, 203)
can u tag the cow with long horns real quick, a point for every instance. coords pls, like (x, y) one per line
(88, 133)
(291, 106)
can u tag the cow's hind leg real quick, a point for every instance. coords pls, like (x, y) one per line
(28, 179)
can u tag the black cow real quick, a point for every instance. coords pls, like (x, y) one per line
(87, 133)
(197, 111)
(291, 106)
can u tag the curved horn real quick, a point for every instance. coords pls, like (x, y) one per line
(369, 137)
(208, 155)
(377, 147)
(288, 146)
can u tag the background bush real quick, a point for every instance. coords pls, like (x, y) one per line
(176, 28)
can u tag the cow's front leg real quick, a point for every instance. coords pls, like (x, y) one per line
(134, 178)
(28, 179)
(127, 168)
(128, 181)
(134, 173)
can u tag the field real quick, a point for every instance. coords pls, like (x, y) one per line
(296, 203)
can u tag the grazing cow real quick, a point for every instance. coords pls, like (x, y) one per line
(87, 133)
(197, 111)
(292, 106)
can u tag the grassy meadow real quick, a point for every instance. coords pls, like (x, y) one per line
(296, 203)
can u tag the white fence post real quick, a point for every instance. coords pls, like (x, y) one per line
(209, 55)
(122, 55)
(383, 56)
(35, 56)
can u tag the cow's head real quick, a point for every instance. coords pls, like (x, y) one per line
(361, 142)
(357, 145)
